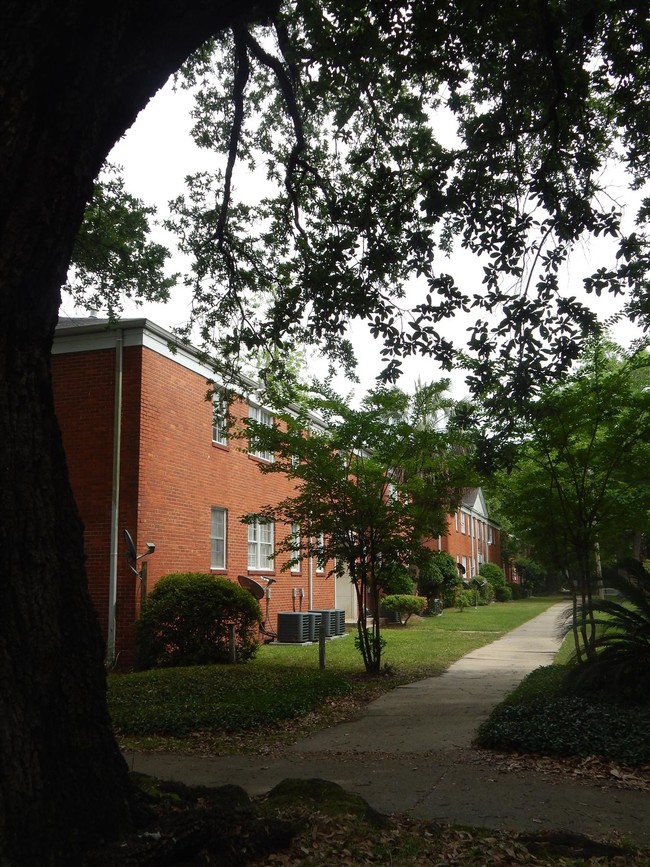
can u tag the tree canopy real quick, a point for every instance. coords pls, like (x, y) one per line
(343, 112)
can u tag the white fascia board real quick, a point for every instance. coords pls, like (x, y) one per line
(95, 336)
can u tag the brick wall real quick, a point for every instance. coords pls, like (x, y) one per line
(171, 476)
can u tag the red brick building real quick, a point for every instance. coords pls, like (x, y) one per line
(147, 454)
(472, 538)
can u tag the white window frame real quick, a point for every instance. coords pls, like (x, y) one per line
(320, 558)
(261, 416)
(295, 549)
(260, 546)
(463, 523)
(219, 419)
(218, 537)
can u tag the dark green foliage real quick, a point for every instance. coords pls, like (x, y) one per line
(439, 578)
(503, 593)
(177, 702)
(114, 257)
(404, 605)
(622, 663)
(492, 573)
(534, 576)
(398, 582)
(539, 717)
(185, 621)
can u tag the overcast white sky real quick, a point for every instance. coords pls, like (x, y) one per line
(158, 152)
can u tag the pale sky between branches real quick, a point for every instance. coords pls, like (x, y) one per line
(158, 152)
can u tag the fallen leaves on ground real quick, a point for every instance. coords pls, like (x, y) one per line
(591, 769)
(327, 840)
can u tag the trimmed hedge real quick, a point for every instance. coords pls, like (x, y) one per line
(185, 621)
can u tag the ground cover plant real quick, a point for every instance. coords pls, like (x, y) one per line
(214, 707)
(541, 717)
(596, 708)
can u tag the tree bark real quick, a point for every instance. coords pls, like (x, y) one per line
(73, 76)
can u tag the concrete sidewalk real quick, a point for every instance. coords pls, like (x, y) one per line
(409, 751)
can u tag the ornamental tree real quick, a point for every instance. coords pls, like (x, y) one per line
(372, 484)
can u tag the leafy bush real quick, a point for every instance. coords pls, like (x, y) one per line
(439, 578)
(463, 599)
(492, 573)
(539, 717)
(404, 605)
(486, 594)
(503, 593)
(397, 582)
(185, 620)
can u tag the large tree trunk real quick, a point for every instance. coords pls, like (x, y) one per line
(73, 76)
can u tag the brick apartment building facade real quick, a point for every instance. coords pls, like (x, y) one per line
(145, 455)
(472, 538)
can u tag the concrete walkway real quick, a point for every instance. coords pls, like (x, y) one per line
(410, 752)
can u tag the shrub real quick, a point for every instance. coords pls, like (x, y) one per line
(492, 573)
(185, 619)
(516, 591)
(463, 599)
(503, 593)
(439, 578)
(560, 725)
(404, 605)
(397, 582)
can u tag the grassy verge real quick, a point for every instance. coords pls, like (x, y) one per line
(283, 693)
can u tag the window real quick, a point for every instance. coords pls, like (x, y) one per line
(295, 547)
(260, 545)
(219, 419)
(261, 416)
(320, 555)
(462, 522)
(456, 521)
(218, 538)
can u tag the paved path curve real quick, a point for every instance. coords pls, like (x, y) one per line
(409, 751)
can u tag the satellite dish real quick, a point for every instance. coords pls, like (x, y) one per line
(460, 568)
(130, 546)
(252, 586)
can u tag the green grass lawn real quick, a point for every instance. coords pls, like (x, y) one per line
(283, 691)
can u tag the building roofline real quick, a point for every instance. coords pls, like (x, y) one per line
(140, 331)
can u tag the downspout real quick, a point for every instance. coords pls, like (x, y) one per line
(115, 500)
(310, 577)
